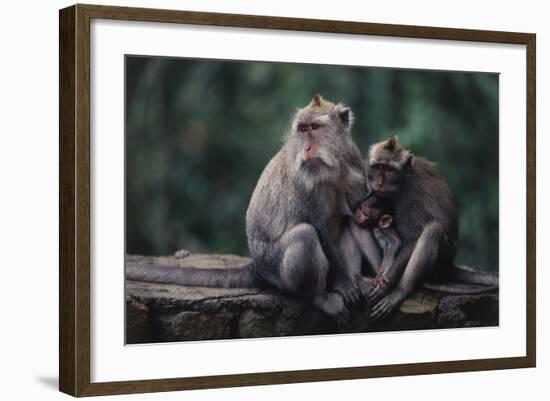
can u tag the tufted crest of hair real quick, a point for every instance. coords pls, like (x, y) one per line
(389, 152)
(319, 105)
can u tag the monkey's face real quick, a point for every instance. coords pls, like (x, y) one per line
(372, 212)
(367, 217)
(320, 139)
(388, 164)
(384, 180)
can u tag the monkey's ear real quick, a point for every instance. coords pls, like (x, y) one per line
(385, 221)
(345, 115)
(407, 163)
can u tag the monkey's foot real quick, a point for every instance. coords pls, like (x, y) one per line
(350, 291)
(383, 308)
(333, 305)
(365, 285)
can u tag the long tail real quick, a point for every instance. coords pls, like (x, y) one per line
(227, 277)
(459, 289)
(461, 276)
(464, 274)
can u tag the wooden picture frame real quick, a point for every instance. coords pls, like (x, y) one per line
(74, 205)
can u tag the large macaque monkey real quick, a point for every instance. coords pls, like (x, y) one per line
(425, 216)
(295, 219)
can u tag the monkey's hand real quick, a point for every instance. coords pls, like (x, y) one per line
(365, 285)
(381, 287)
(350, 291)
(383, 308)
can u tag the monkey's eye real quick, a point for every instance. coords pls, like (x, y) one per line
(384, 167)
(303, 127)
(315, 126)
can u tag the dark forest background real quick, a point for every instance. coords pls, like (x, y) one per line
(200, 132)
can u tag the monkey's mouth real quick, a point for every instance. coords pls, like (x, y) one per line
(314, 163)
(360, 216)
(383, 193)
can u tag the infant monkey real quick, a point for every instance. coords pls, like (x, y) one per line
(374, 213)
(377, 214)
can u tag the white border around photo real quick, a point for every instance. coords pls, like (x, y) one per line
(112, 360)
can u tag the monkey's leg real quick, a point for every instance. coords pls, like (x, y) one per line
(390, 272)
(341, 282)
(419, 266)
(351, 253)
(352, 257)
(304, 269)
(367, 245)
(370, 249)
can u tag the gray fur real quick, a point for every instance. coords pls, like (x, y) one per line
(228, 277)
(452, 288)
(426, 220)
(296, 216)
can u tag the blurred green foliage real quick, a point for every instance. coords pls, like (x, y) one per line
(200, 132)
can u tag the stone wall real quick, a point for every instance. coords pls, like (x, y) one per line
(161, 313)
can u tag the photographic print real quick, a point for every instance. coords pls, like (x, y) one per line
(283, 199)
(257, 198)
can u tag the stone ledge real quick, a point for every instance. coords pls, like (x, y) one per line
(163, 313)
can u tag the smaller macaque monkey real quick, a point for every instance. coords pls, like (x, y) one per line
(426, 218)
(377, 214)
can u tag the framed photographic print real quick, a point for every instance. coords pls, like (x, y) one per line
(251, 200)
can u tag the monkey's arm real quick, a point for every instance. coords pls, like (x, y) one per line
(343, 283)
(358, 186)
(389, 270)
(418, 264)
(368, 246)
(393, 264)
